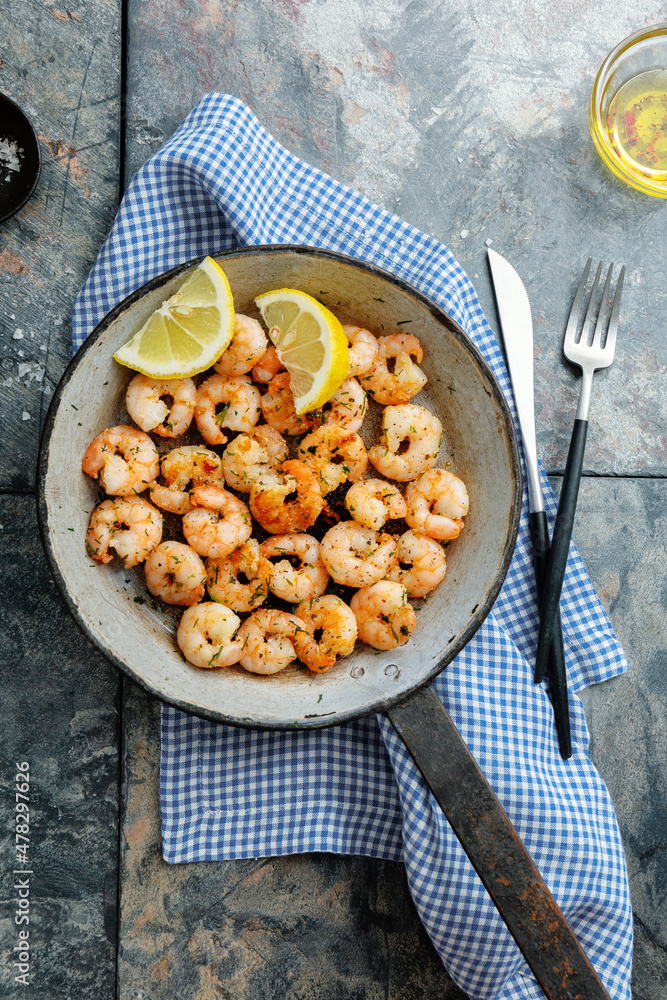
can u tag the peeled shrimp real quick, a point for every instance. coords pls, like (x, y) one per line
(246, 348)
(384, 617)
(405, 380)
(175, 574)
(250, 457)
(409, 425)
(372, 502)
(266, 641)
(289, 501)
(268, 365)
(278, 408)
(125, 459)
(240, 411)
(218, 523)
(347, 407)
(437, 503)
(289, 583)
(421, 564)
(143, 401)
(363, 350)
(338, 627)
(356, 556)
(130, 525)
(190, 465)
(224, 577)
(206, 636)
(335, 454)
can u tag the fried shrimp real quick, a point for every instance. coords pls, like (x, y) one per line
(437, 503)
(268, 365)
(125, 459)
(266, 641)
(394, 377)
(291, 500)
(218, 523)
(347, 407)
(421, 564)
(175, 574)
(337, 625)
(410, 442)
(300, 582)
(251, 457)
(247, 346)
(363, 350)
(384, 617)
(356, 556)
(279, 411)
(240, 411)
(239, 580)
(129, 525)
(206, 636)
(335, 454)
(144, 403)
(372, 502)
(192, 465)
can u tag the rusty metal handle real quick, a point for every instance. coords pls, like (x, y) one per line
(495, 850)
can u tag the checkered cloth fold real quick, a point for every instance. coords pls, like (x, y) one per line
(220, 182)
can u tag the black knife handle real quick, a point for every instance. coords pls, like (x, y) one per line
(556, 667)
(560, 544)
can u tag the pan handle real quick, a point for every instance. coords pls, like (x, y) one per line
(521, 895)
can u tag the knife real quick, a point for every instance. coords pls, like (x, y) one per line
(517, 329)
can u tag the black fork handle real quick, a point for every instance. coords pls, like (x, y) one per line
(556, 668)
(495, 850)
(560, 543)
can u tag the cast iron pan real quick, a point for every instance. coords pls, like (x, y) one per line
(480, 443)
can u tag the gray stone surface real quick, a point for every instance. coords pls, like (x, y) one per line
(469, 120)
(59, 714)
(621, 531)
(62, 66)
(59, 697)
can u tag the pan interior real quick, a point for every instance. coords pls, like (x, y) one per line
(111, 603)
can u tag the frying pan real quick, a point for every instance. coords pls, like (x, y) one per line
(480, 443)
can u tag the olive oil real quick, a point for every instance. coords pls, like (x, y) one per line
(637, 123)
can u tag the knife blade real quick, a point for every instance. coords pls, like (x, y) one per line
(517, 331)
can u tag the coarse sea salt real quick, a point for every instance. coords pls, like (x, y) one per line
(10, 153)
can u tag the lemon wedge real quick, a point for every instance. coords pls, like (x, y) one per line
(188, 332)
(309, 341)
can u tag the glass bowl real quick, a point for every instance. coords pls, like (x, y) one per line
(627, 113)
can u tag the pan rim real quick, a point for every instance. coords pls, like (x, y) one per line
(320, 721)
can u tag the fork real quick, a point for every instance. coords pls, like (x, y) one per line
(590, 358)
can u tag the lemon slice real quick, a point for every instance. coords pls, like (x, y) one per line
(309, 341)
(188, 332)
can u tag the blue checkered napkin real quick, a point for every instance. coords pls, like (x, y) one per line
(222, 181)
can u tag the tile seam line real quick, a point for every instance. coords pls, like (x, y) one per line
(121, 742)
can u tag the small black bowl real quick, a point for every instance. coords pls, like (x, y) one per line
(16, 186)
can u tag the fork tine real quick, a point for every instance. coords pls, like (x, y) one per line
(599, 326)
(591, 307)
(571, 329)
(610, 344)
